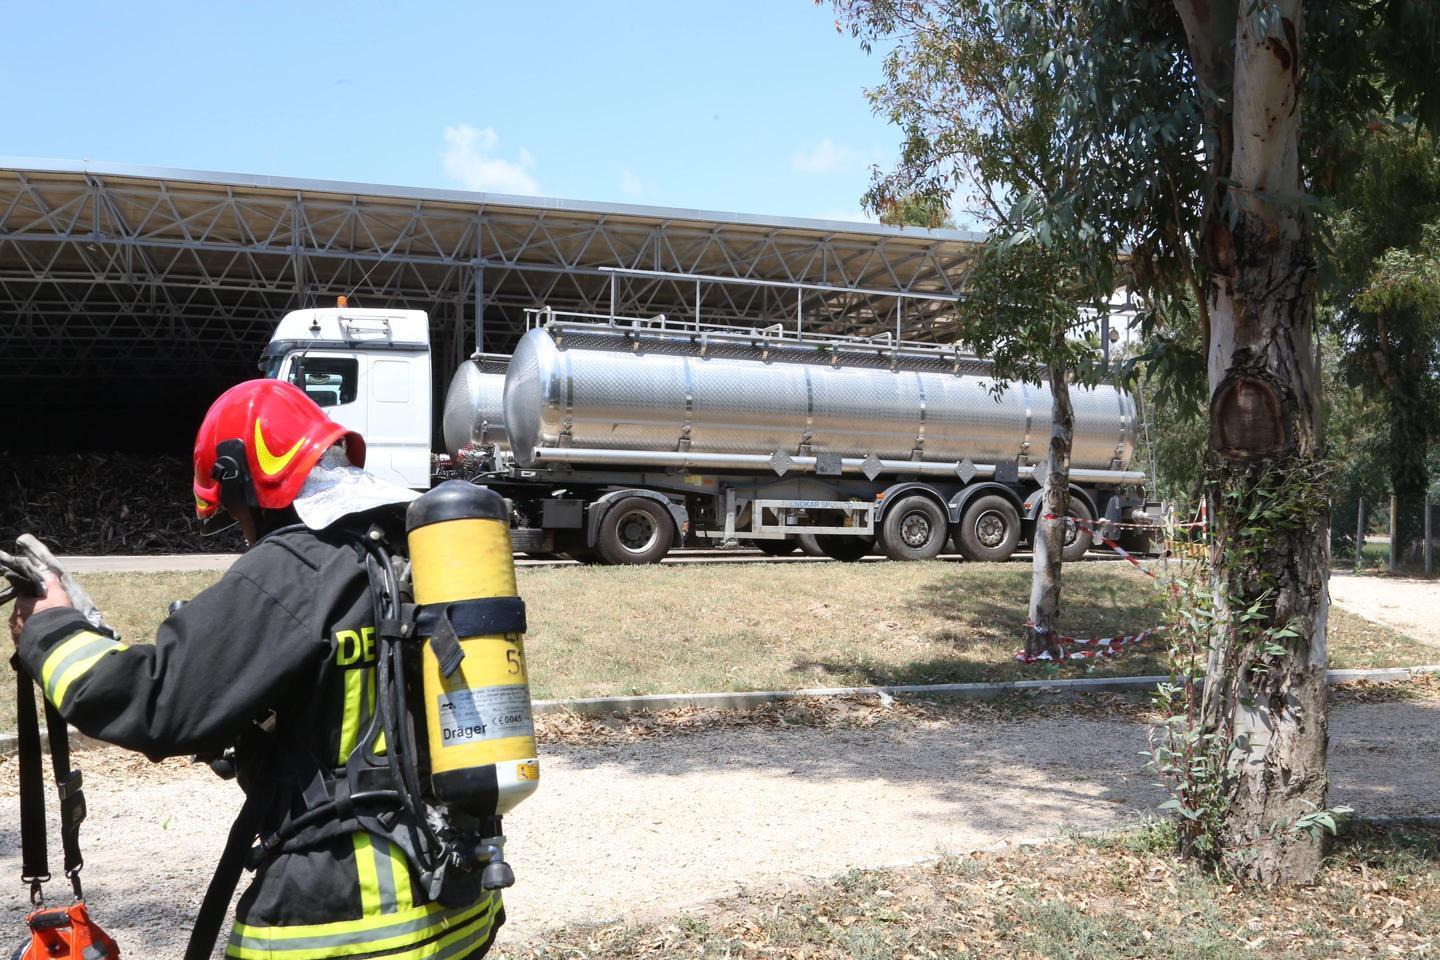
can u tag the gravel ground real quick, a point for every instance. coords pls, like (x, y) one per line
(1410, 605)
(643, 828)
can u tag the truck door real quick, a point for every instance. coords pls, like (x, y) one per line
(396, 393)
(383, 397)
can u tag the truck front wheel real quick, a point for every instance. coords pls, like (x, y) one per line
(915, 528)
(635, 530)
(989, 530)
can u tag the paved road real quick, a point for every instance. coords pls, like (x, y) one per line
(647, 828)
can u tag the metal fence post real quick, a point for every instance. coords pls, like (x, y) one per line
(1394, 529)
(1427, 535)
(1360, 535)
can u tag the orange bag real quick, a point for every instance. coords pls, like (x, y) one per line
(66, 933)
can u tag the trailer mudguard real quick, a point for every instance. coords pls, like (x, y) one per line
(894, 493)
(961, 499)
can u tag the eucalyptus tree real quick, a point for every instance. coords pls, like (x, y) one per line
(1171, 131)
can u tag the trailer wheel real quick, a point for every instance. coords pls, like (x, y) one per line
(635, 530)
(1077, 541)
(845, 548)
(776, 548)
(989, 530)
(915, 528)
(809, 545)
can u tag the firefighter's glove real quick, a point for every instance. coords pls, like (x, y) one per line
(42, 582)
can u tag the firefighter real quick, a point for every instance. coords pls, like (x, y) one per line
(276, 660)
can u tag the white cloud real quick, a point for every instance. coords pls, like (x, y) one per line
(631, 185)
(827, 156)
(469, 157)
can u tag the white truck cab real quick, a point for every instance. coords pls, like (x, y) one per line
(370, 371)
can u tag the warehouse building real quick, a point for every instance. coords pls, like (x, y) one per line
(130, 296)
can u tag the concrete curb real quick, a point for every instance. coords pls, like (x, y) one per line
(10, 742)
(620, 706)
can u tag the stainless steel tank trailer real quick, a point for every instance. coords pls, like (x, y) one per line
(763, 435)
(617, 439)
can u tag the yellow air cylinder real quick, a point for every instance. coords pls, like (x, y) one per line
(479, 727)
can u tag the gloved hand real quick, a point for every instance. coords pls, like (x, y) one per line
(28, 606)
(42, 582)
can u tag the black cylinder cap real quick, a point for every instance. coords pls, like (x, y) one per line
(455, 500)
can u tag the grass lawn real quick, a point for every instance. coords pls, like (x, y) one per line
(621, 630)
(1106, 898)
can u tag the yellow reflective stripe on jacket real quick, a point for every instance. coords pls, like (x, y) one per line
(421, 933)
(356, 711)
(71, 659)
(400, 870)
(384, 875)
(352, 712)
(367, 875)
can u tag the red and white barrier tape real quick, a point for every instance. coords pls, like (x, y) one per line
(1106, 646)
(1108, 542)
(1102, 647)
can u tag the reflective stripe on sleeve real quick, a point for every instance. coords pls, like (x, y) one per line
(421, 933)
(71, 659)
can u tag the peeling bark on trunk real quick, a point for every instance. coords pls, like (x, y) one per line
(1049, 537)
(1263, 687)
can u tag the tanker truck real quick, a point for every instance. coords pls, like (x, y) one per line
(616, 439)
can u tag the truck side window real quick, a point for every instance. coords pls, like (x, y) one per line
(330, 381)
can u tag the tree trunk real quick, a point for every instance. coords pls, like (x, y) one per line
(1265, 684)
(1049, 537)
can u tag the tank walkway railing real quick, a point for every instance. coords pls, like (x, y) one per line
(697, 329)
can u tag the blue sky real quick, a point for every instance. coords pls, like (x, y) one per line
(754, 106)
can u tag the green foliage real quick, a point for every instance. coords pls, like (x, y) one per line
(918, 210)
(1076, 125)
(1193, 759)
(1168, 373)
(1020, 311)
(1357, 437)
(1384, 298)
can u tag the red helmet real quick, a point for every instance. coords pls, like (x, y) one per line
(258, 443)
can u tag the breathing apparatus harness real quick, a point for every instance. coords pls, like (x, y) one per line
(431, 657)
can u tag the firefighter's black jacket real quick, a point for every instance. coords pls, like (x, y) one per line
(288, 630)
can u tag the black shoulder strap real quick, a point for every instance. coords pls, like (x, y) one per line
(227, 872)
(72, 797)
(34, 853)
